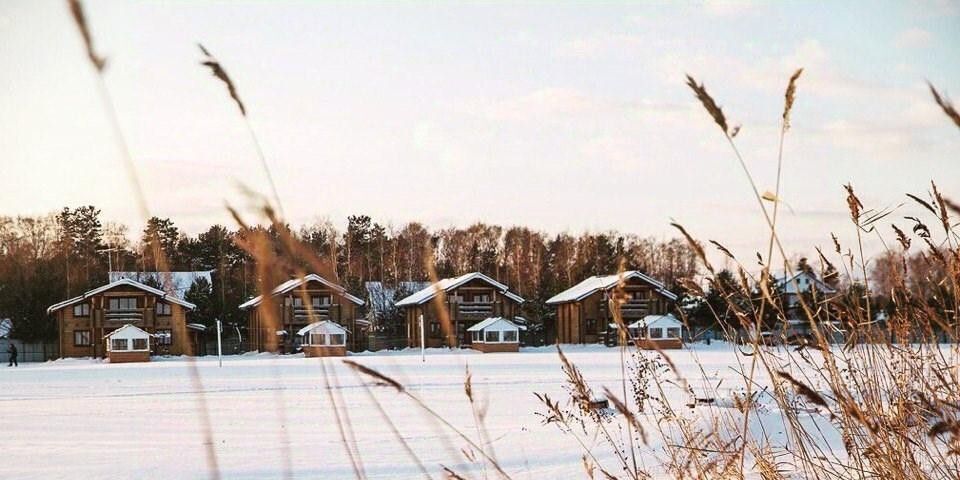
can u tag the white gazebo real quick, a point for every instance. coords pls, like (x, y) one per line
(657, 332)
(323, 339)
(128, 343)
(495, 334)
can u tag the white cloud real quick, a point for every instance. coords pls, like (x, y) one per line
(913, 38)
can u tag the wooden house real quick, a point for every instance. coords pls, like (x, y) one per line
(83, 322)
(297, 303)
(323, 339)
(467, 300)
(495, 334)
(128, 344)
(585, 310)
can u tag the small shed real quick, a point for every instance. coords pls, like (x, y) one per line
(323, 339)
(654, 332)
(128, 343)
(495, 334)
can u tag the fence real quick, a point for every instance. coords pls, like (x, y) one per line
(29, 352)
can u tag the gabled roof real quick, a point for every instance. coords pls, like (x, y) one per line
(496, 321)
(789, 283)
(447, 284)
(293, 283)
(664, 321)
(128, 327)
(325, 326)
(122, 282)
(174, 283)
(594, 284)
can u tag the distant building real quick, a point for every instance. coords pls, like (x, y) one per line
(382, 298)
(128, 344)
(657, 332)
(805, 284)
(174, 283)
(297, 303)
(584, 313)
(84, 321)
(495, 334)
(468, 300)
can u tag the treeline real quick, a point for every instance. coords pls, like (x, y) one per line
(46, 259)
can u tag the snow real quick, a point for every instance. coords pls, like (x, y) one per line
(175, 283)
(593, 284)
(448, 284)
(323, 326)
(121, 282)
(654, 321)
(296, 282)
(496, 323)
(271, 415)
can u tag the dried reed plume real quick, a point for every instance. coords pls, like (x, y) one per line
(216, 68)
(945, 105)
(709, 104)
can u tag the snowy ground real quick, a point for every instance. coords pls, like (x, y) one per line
(273, 416)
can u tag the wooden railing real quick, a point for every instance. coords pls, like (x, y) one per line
(475, 309)
(320, 312)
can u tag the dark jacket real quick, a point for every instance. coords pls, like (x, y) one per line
(12, 350)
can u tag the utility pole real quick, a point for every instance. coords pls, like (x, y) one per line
(423, 354)
(219, 345)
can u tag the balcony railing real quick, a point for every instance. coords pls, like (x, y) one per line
(123, 313)
(635, 308)
(319, 312)
(475, 309)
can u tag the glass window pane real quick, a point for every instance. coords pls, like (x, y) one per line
(492, 336)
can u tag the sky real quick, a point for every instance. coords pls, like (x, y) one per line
(562, 117)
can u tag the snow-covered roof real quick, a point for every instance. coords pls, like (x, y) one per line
(122, 282)
(657, 321)
(447, 284)
(594, 284)
(128, 331)
(380, 296)
(496, 323)
(804, 280)
(324, 326)
(197, 326)
(6, 326)
(174, 283)
(293, 283)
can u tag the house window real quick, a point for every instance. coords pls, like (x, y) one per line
(434, 329)
(81, 310)
(118, 344)
(475, 336)
(485, 298)
(591, 325)
(139, 343)
(510, 336)
(337, 339)
(320, 301)
(673, 332)
(297, 302)
(123, 303)
(656, 332)
(164, 337)
(318, 339)
(163, 309)
(492, 336)
(81, 338)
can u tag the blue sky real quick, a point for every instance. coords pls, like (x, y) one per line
(564, 117)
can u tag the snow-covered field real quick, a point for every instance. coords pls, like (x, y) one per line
(272, 416)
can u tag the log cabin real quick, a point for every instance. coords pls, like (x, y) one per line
(467, 300)
(297, 303)
(84, 321)
(584, 310)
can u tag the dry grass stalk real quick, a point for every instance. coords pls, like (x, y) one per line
(710, 105)
(945, 105)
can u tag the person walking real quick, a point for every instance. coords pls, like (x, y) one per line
(12, 350)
